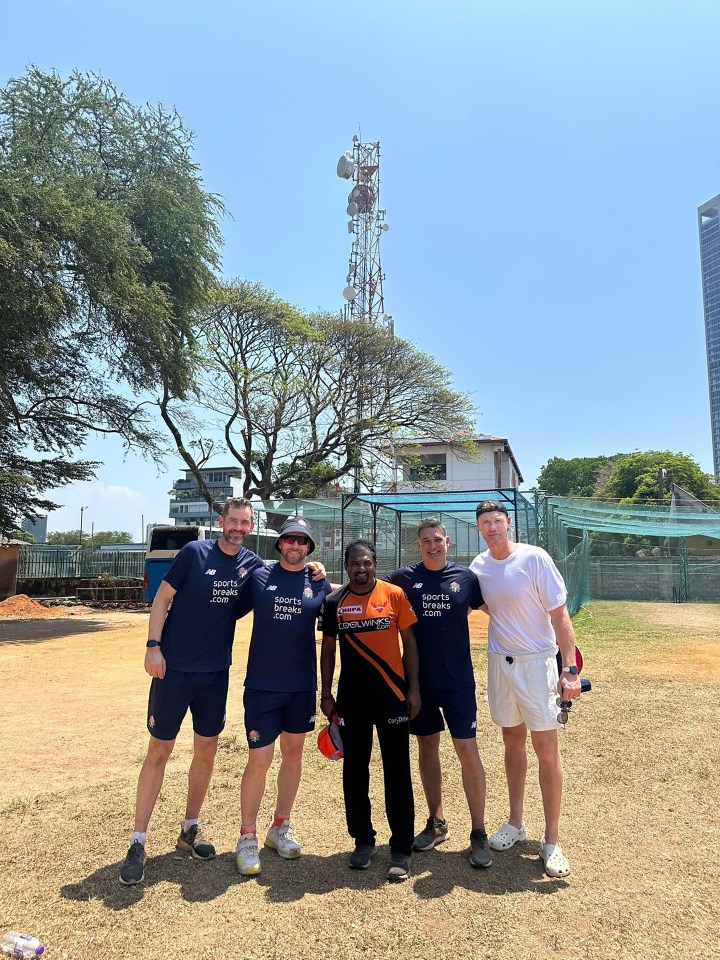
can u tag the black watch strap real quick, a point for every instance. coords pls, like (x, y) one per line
(153, 643)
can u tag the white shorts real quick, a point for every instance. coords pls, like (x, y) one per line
(523, 689)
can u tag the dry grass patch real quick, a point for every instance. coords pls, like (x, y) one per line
(642, 789)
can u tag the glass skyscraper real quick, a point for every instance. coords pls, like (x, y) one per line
(709, 229)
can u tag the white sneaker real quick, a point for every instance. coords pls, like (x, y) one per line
(248, 856)
(283, 840)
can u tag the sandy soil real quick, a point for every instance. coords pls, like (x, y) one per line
(642, 768)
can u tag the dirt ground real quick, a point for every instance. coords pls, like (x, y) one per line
(642, 789)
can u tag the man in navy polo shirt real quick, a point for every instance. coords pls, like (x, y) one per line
(280, 687)
(441, 595)
(191, 631)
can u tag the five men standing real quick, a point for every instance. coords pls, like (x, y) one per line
(380, 687)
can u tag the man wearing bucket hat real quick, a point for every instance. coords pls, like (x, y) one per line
(525, 597)
(280, 687)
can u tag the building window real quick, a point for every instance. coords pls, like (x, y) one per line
(431, 466)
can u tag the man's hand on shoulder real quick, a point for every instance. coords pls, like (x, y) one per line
(317, 570)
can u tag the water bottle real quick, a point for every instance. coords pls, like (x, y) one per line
(16, 944)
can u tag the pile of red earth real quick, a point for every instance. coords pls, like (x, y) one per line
(22, 607)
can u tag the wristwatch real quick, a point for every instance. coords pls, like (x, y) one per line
(153, 643)
(572, 669)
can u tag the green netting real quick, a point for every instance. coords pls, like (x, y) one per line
(671, 552)
(390, 522)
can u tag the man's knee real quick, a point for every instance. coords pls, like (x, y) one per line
(205, 748)
(545, 745)
(429, 746)
(260, 758)
(467, 752)
(514, 738)
(159, 751)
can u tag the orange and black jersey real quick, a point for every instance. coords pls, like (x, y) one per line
(368, 627)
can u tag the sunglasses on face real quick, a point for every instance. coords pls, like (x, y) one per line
(293, 538)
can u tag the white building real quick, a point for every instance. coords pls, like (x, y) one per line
(187, 507)
(485, 463)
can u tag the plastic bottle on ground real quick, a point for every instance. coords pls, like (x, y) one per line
(16, 944)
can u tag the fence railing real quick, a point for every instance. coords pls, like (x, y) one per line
(45, 563)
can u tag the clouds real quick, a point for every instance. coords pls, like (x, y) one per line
(111, 506)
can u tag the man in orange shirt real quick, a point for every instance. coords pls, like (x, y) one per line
(378, 687)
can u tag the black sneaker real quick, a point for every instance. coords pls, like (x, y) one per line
(434, 833)
(399, 868)
(480, 853)
(195, 843)
(362, 855)
(133, 868)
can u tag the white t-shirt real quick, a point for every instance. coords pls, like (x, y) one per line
(519, 591)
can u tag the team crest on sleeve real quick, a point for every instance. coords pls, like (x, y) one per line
(455, 586)
(307, 593)
(242, 572)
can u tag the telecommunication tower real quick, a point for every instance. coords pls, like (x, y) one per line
(364, 290)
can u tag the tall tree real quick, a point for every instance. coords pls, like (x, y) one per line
(302, 400)
(577, 477)
(635, 477)
(632, 477)
(107, 246)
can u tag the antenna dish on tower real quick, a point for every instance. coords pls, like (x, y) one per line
(349, 293)
(345, 166)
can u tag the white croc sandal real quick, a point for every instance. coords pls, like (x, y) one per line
(507, 836)
(556, 863)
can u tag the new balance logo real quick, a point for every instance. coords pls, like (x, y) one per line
(271, 586)
(417, 586)
(210, 573)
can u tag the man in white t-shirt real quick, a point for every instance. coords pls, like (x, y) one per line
(525, 595)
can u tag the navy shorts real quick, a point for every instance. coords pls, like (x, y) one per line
(205, 694)
(268, 714)
(459, 708)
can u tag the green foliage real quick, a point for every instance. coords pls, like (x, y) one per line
(635, 477)
(577, 477)
(96, 539)
(303, 400)
(107, 246)
(629, 477)
(22, 535)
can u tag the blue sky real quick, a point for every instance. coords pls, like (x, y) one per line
(541, 168)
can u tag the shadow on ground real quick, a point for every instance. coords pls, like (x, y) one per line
(34, 631)
(433, 875)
